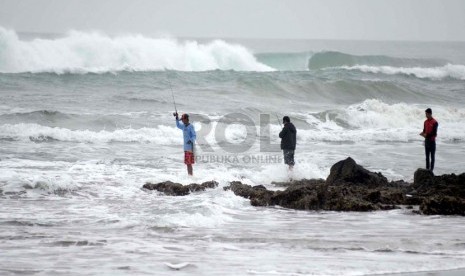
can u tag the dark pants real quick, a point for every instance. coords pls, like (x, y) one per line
(430, 149)
(288, 157)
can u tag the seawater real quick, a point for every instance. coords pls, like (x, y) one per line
(86, 119)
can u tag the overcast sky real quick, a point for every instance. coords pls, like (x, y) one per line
(308, 19)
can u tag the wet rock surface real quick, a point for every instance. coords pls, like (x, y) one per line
(348, 172)
(176, 189)
(441, 195)
(350, 187)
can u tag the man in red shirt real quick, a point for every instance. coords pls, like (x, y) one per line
(430, 131)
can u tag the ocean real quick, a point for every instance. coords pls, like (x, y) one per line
(86, 120)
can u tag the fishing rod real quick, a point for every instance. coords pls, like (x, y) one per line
(172, 95)
(278, 120)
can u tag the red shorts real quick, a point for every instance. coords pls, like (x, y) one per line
(189, 158)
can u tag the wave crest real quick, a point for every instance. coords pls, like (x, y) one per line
(434, 73)
(163, 135)
(81, 52)
(337, 59)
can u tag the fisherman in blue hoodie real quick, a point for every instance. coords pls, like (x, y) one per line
(189, 140)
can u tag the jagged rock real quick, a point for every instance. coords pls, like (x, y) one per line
(349, 187)
(427, 184)
(423, 181)
(313, 195)
(347, 171)
(450, 184)
(258, 195)
(440, 195)
(202, 187)
(443, 205)
(340, 198)
(176, 189)
(392, 196)
(168, 187)
(302, 195)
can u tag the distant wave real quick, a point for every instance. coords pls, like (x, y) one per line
(370, 120)
(82, 52)
(374, 120)
(434, 73)
(286, 61)
(336, 59)
(49, 114)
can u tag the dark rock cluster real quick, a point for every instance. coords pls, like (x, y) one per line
(349, 187)
(176, 189)
(441, 195)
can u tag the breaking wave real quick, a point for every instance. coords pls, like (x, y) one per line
(374, 120)
(163, 135)
(370, 120)
(434, 73)
(83, 52)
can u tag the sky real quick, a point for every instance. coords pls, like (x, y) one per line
(412, 20)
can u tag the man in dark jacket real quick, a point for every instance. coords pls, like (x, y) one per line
(288, 140)
(430, 131)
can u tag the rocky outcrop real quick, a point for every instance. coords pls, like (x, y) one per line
(313, 195)
(427, 184)
(443, 205)
(348, 172)
(258, 195)
(350, 187)
(176, 189)
(423, 182)
(440, 195)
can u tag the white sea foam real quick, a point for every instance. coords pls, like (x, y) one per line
(163, 135)
(201, 212)
(371, 120)
(83, 52)
(374, 120)
(14, 182)
(455, 71)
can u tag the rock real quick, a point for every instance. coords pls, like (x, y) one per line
(176, 189)
(339, 198)
(392, 196)
(302, 195)
(168, 187)
(202, 187)
(450, 184)
(427, 184)
(313, 195)
(443, 205)
(440, 195)
(423, 180)
(347, 171)
(258, 195)
(349, 187)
